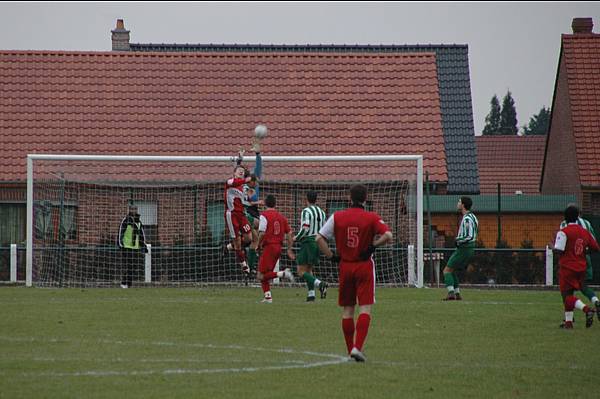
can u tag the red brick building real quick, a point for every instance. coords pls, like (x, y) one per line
(572, 154)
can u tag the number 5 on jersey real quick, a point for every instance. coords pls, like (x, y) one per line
(352, 237)
(276, 228)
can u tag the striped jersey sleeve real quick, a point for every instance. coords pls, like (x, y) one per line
(583, 223)
(311, 221)
(469, 227)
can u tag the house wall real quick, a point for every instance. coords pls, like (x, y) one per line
(561, 173)
(10, 192)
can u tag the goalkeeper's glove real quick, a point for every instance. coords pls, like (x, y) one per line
(366, 254)
(253, 177)
(144, 249)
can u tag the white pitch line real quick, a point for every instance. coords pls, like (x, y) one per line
(122, 360)
(109, 373)
(334, 359)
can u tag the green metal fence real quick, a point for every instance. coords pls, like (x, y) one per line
(513, 255)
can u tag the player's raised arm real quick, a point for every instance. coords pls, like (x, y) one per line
(252, 178)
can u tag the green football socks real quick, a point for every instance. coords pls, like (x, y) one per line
(589, 293)
(456, 289)
(449, 281)
(310, 280)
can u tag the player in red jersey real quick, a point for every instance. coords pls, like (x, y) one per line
(357, 234)
(272, 230)
(571, 243)
(235, 218)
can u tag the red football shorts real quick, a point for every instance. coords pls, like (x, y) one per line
(269, 257)
(357, 281)
(236, 222)
(569, 279)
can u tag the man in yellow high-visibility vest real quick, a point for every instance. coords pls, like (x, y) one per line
(132, 242)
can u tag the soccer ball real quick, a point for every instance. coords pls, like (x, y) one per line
(260, 131)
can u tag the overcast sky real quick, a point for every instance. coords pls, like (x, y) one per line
(511, 45)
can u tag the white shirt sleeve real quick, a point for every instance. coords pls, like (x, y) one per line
(328, 228)
(561, 241)
(305, 220)
(262, 226)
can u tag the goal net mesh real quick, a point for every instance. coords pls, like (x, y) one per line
(78, 207)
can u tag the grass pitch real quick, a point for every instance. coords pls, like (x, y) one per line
(222, 343)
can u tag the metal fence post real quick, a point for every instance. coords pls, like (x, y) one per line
(13, 263)
(549, 266)
(148, 264)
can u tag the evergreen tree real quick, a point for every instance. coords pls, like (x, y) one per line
(508, 116)
(538, 124)
(492, 120)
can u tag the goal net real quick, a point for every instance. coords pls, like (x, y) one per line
(76, 204)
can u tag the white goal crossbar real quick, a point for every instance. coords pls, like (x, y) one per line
(418, 279)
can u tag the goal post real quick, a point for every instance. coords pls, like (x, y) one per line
(75, 203)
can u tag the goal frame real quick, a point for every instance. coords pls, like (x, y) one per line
(268, 158)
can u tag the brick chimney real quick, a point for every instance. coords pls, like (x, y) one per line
(582, 25)
(120, 37)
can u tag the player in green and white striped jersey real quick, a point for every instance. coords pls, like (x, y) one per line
(311, 221)
(589, 274)
(465, 248)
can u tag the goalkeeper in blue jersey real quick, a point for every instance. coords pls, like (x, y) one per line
(465, 248)
(589, 273)
(311, 221)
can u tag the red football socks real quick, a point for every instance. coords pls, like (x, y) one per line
(265, 286)
(265, 280)
(348, 328)
(570, 303)
(362, 328)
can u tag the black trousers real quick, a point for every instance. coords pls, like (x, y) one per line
(132, 264)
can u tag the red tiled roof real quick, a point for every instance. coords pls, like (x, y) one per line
(582, 55)
(208, 104)
(513, 161)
